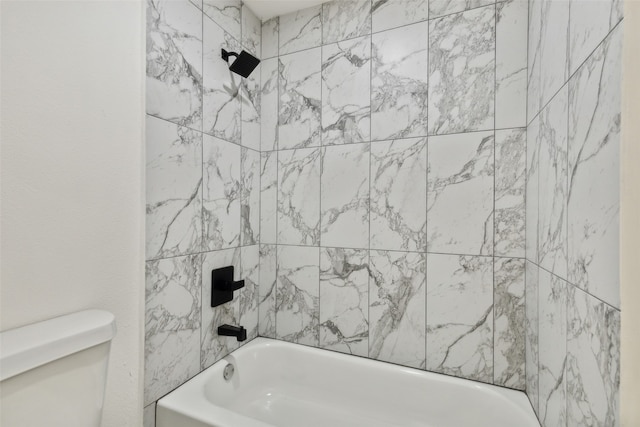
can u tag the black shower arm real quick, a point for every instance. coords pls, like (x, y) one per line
(226, 55)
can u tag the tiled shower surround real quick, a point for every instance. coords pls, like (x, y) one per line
(368, 182)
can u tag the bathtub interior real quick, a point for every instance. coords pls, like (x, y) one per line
(282, 384)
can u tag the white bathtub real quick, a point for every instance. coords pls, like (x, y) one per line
(282, 384)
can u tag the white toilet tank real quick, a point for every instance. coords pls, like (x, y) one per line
(53, 373)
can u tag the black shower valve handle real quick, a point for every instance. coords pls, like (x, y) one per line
(231, 285)
(223, 285)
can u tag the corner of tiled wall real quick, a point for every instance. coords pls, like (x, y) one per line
(203, 185)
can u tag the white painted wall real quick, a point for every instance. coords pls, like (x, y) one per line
(72, 175)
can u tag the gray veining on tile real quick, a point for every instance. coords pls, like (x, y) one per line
(250, 197)
(300, 105)
(447, 7)
(511, 63)
(267, 291)
(174, 62)
(594, 170)
(510, 193)
(268, 197)
(343, 20)
(297, 311)
(397, 307)
(221, 99)
(460, 193)
(269, 105)
(251, 32)
(212, 346)
(299, 196)
(509, 323)
(532, 181)
(172, 324)
(552, 342)
(387, 14)
(249, 296)
(399, 82)
(460, 316)
(344, 300)
(300, 30)
(462, 72)
(225, 13)
(344, 196)
(552, 195)
(173, 189)
(399, 194)
(531, 330)
(593, 361)
(590, 22)
(270, 34)
(250, 99)
(222, 193)
(346, 91)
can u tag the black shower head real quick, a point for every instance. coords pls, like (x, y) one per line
(244, 64)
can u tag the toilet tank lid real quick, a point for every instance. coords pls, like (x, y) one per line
(27, 347)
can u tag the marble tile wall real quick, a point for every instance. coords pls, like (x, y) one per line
(203, 186)
(393, 177)
(572, 206)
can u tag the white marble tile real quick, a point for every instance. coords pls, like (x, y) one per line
(174, 62)
(532, 181)
(552, 342)
(225, 13)
(593, 362)
(344, 300)
(173, 189)
(397, 293)
(268, 197)
(509, 323)
(300, 105)
(552, 193)
(534, 58)
(214, 347)
(251, 32)
(197, 3)
(548, 52)
(462, 63)
(297, 298)
(221, 195)
(250, 99)
(221, 100)
(399, 86)
(300, 30)
(249, 296)
(460, 316)
(511, 64)
(399, 194)
(447, 7)
(590, 22)
(531, 330)
(344, 196)
(510, 180)
(267, 291)
(172, 324)
(269, 105)
(270, 34)
(149, 416)
(594, 166)
(299, 196)
(343, 20)
(250, 197)
(460, 194)
(386, 14)
(346, 91)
